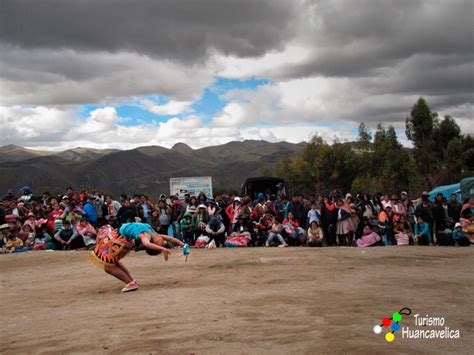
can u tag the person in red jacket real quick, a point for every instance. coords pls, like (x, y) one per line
(233, 212)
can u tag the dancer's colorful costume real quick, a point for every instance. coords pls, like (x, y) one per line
(110, 247)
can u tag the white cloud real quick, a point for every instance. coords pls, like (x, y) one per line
(57, 129)
(168, 109)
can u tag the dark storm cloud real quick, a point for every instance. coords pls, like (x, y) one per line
(387, 53)
(354, 37)
(185, 30)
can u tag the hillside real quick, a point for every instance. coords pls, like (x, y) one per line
(144, 169)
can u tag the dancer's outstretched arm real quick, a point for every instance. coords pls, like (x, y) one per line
(168, 238)
(145, 239)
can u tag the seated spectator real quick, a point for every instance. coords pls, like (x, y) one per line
(459, 236)
(215, 230)
(275, 234)
(369, 238)
(422, 232)
(264, 226)
(87, 232)
(27, 236)
(31, 221)
(202, 218)
(295, 235)
(14, 243)
(467, 213)
(315, 235)
(403, 231)
(66, 236)
(43, 239)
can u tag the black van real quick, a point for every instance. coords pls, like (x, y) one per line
(255, 185)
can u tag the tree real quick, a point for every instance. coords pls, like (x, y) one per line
(419, 129)
(443, 133)
(365, 135)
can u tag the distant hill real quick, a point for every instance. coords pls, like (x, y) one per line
(15, 153)
(144, 169)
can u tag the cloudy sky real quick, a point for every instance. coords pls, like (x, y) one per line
(114, 73)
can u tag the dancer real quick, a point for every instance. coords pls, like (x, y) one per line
(113, 245)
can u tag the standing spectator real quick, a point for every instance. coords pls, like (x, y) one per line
(386, 217)
(178, 209)
(146, 208)
(90, 211)
(26, 195)
(164, 216)
(343, 223)
(314, 215)
(233, 212)
(55, 221)
(188, 225)
(73, 214)
(127, 213)
(72, 195)
(112, 208)
(454, 208)
(329, 221)
(397, 207)
(100, 209)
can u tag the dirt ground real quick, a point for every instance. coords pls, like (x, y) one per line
(236, 301)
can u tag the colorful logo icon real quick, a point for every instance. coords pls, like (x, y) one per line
(392, 323)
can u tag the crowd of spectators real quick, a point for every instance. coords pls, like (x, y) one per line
(71, 221)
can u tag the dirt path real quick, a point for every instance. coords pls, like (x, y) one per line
(256, 300)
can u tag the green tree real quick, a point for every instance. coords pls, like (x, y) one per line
(419, 129)
(443, 133)
(365, 135)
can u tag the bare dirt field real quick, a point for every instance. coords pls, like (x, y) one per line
(236, 301)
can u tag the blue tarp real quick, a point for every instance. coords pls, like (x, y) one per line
(446, 190)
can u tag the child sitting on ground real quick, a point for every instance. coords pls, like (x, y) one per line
(14, 243)
(459, 236)
(43, 240)
(27, 236)
(315, 235)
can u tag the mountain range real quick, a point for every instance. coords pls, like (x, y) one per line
(140, 170)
